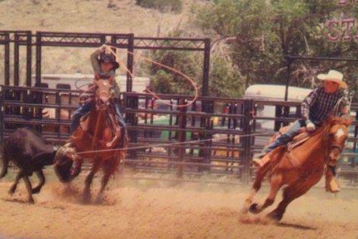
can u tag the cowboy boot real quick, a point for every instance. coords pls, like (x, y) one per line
(260, 160)
(331, 181)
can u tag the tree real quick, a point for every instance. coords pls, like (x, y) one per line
(167, 81)
(261, 33)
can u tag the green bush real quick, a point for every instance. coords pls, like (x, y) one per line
(162, 5)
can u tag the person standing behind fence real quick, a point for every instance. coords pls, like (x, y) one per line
(104, 65)
(316, 107)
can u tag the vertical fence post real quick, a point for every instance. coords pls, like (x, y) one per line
(130, 62)
(17, 94)
(247, 141)
(208, 126)
(131, 102)
(38, 58)
(2, 116)
(16, 59)
(7, 60)
(29, 59)
(206, 68)
(181, 136)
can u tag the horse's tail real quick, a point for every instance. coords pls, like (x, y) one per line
(5, 162)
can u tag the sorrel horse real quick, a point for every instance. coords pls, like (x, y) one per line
(301, 168)
(95, 140)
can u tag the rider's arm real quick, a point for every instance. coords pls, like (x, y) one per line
(94, 60)
(307, 103)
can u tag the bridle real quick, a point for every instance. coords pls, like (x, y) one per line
(331, 145)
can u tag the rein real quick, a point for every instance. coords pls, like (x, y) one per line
(329, 145)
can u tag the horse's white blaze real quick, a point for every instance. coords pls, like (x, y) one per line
(340, 133)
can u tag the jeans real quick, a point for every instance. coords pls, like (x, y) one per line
(286, 137)
(84, 109)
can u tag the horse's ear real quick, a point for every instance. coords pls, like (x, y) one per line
(111, 79)
(348, 121)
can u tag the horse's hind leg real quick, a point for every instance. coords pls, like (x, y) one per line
(14, 186)
(291, 193)
(276, 184)
(42, 181)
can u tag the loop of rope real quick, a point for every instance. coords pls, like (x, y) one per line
(191, 81)
(336, 108)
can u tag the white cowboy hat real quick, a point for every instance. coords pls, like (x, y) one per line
(334, 76)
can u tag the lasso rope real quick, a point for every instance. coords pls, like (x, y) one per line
(191, 81)
(163, 145)
(123, 66)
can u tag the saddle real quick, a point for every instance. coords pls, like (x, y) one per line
(296, 141)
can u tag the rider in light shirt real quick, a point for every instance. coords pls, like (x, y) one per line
(316, 107)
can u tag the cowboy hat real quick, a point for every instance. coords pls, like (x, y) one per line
(109, 58)
(334, 76)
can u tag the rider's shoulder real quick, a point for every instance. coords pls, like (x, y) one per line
(317, 91)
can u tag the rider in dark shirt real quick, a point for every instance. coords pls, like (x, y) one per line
(104, 65)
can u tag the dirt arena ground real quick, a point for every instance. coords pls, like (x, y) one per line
(152, 209)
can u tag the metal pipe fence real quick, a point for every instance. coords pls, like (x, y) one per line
(214, 135)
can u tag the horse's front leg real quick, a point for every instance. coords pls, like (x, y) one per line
(255, 187)
(109, 167)
(28, 188)
(292, 192)
(117, 135)
(276, 184)
(42, 181)
(86, 196)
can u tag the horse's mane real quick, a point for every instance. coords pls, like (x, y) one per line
(334, 120)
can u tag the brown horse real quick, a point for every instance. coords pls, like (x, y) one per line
(301, 168)
(96, 141)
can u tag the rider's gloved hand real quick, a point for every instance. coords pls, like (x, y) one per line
(310, 126)
(103, 48)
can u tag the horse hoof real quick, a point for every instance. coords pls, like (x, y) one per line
(31, 201)
(35, 190)
(274, 216)
(86, 199)
(99, 200)
(11, 192)
(254, 208)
